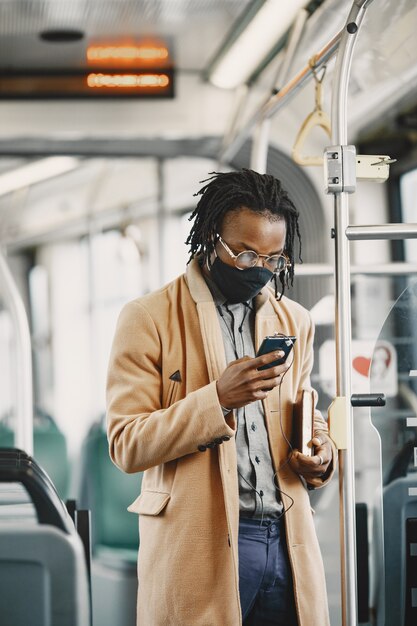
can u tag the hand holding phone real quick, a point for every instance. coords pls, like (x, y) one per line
(274, 343)
(242, 382)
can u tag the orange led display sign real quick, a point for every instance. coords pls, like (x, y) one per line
(128, 68)
(140, 81)
(126, 53)
(106, 84)
(142, 54)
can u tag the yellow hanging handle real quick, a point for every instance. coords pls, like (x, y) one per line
(318, 117)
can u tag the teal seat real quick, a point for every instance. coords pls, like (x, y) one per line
(107, 492)
(49, 448)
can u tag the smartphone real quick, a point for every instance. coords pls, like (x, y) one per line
(274, 343)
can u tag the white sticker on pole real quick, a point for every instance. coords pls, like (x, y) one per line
(374, 367)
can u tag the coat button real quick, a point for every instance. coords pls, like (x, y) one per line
(202, 447)
(226, 438)
(210, 444)
(218, 440)
(257, 459)
(253, 426)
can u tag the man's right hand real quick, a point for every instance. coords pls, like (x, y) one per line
(242, 382)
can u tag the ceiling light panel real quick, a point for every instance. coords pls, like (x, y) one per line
(268, 25)
(36, 172)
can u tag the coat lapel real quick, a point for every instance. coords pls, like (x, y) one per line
(209, 323)
(216, 364)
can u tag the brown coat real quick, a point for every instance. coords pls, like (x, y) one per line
(189, 505)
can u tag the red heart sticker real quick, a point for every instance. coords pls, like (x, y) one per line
(361, 364)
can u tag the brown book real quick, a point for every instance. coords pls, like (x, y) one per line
(303, 423)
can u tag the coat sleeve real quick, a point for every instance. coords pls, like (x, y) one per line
(141, 434)
(320, 424)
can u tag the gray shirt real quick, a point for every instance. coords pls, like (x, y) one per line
(258, 496)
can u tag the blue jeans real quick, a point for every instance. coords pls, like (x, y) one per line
(265, 580)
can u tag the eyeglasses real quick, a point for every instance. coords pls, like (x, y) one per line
(249, 258)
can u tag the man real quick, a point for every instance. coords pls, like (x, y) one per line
(226, 529)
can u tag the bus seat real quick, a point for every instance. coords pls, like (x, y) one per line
(107, 492)
(49, 445)
(43, 573)
(399, 511)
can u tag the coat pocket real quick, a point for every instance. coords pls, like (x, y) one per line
(150, 503)
(172, 393)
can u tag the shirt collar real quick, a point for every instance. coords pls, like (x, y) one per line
(218, 297)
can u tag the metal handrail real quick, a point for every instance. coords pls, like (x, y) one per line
(380, 269)
(381, 231)
(343, 331)
(277, 101)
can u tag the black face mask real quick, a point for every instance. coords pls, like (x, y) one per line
(239, 285)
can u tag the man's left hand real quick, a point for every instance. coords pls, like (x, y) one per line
(313, 466)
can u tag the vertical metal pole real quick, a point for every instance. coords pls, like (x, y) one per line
(259, 155)
(23, 374)
(291, 47)
(343, 320)
(242, 94)
(161, 220)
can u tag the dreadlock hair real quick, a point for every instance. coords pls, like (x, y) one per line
(230, 191)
